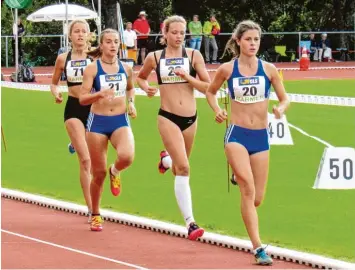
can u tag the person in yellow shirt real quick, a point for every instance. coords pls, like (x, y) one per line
(211, 28)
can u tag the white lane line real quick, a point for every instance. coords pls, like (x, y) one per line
(308, 135)
(75, 250)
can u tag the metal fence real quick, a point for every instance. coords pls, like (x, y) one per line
(42, 50)
(37, 50)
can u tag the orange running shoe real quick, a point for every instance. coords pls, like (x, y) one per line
(115, 183)
(96, 223)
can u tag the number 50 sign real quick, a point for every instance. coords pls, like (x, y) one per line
(336, 169)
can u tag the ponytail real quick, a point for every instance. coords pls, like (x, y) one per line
(232, 48)
(96, 53)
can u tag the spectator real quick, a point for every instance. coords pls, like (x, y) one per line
(324, 50)
(211, 28)
(130, 42)
(142, 28)
(17, 30)
(130, 37)
(313, 47)
(195, 29)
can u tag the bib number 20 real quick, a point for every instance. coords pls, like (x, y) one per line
(250, 91)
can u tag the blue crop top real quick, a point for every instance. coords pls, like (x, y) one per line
(118, 80)
(249, 89)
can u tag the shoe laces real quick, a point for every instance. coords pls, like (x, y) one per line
(115, 181)
(260, 253)
(192, 227)
(96, 220)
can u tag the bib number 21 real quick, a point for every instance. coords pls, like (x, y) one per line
(114, 86)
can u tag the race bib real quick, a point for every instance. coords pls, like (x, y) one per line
(249, 89)
(118, 82)
(75, 70)
(168, 66)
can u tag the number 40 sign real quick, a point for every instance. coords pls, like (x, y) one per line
(279, 131)
(336, 169)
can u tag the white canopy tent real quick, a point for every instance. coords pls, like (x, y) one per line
(63, 12)
(58, 13)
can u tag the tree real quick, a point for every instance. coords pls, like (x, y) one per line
(43, 50)
(109, 13)
(272, 15)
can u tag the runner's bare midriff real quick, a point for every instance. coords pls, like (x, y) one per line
(252, 116)
(108, 107)
(178, 99)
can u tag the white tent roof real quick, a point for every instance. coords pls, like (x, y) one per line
(57, 13)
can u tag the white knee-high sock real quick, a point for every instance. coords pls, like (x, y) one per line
(183, 197)
(167, 162)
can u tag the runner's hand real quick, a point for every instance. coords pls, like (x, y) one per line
(151, 91)
(58, 97)
(221, 116)
(181, 73)
(107, 93)
(132, 112)
(278, 112)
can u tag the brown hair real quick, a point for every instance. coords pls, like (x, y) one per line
(166, 25)
(232, 46)
(97, 52)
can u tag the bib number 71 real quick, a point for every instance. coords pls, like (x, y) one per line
(76, 70)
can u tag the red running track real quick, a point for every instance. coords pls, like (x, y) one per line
(287, 74)
(119, 245)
